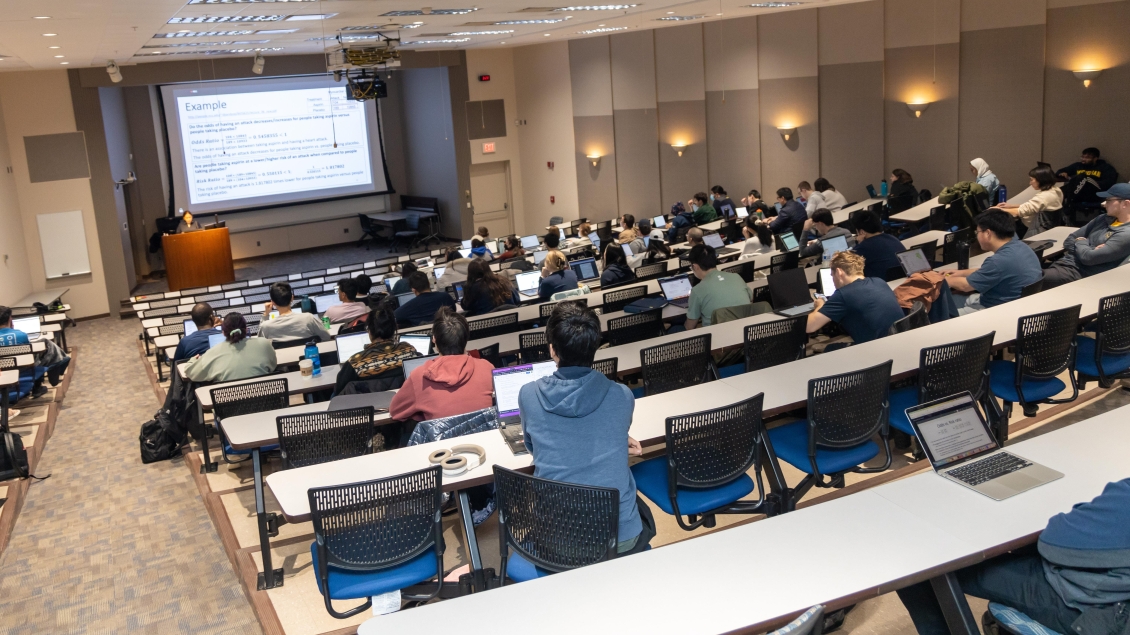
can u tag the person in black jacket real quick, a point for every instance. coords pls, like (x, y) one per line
(1091, 165)
(722, 202)
(485, 291)
(903, 194)
(616, 270)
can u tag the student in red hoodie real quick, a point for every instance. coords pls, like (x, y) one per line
(452, 384)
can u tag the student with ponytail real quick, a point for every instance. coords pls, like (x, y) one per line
(237, 357)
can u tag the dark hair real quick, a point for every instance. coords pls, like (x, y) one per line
(364, 284)
(754, 194)
(764, 234)
(613, 255)
(823, 216)
(868, 221)
(553, 239)
(1044, 177)
(476, 243)
(201, 315)
(717, 189)
(701, 196)
(484, 231)
(656, 245)
(573, 330)
(498, 288)
(418, 281)
(348, 286)
(1093, 152)
(821, 184)
(5, 314)
(804, 185)
(704, 256)
(1000, 222)
(408, 269)
(902, 175)
(450, 331)
(281, 294)
(644, 226)
(513, 242)
(785, 193)
(234, 327)
(381, 324)
(452, 254)
(629, 221)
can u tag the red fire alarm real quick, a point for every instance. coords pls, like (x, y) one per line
(553, 199)
(549, 164)
(484, 78)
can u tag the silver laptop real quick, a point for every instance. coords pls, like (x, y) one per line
(962, 449)
(325, 302)
(914, 261)
(833, 246)
(676, 290)
(350, 345)
(29, 325)
(422, 343)
(528, 282)
(410, 365)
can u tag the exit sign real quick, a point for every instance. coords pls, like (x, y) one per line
(488, 148)
(484, 78)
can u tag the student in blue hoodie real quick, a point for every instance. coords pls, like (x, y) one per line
(680, 218)
(1076, 580)
(576, 421)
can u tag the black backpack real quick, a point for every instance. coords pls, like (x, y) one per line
(160, 438)
(13, 457)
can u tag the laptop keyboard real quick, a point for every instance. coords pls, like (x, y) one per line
(797, 310)
(986, 470)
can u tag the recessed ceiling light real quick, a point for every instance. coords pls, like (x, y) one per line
(608, 30)
(600, 25)
(185, 33)
(417, 23)
(311, 16)
(482, 32)
(542, 21)
(453, 41)
(670, 13)
(598, 7)
(680, 18)
(773, 5)
(64, 63)
(52, 47)
(213, 19)
(546, 35)
(50, 34)
(400, 14)
(717, 14)
(60, 56)
(276, 31)
(242, 1)
(42, 17)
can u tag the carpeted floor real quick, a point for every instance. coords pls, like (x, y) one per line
(108, 545)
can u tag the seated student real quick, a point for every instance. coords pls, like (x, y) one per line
(1076, 579)
(1012, 266)
(754, 205)
(289, 325)
(383, 354)
(985, 178)
(364, 286)
(647, 231)
(833, 200)
(453, 384)
(657, 251)
(628, 231)
(715, 290)
(825, 227)
(791, 213)
(694, 237)
(701, 209)
(207, 325)
(903, 194)
(482, 234)
(865, 307)
(1037, 213)
(52, 359)
(552, 238)
(485, 290)
(616, 270)
(722, 202)
(513, 249)
(456, 271)
(422, 308)
(876, 247)
(1098, 246)
(584, 229)
(680, 219)
(556, 275)
(576, 421)
(349, 309)
(758, 235)
(406, 270)
(479, 250)
(237, 357)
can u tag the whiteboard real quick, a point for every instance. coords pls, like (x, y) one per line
(62, 238)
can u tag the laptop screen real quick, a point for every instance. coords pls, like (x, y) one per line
(422, 343)
(561, 233)
(528, 280)
(391, 281)
(350, 345)
(410, 365)
(951, 429)
(215, 339)
(675, 288)
(466, 244)
(595, 240)
(509, 381)
(458, 286)
(659, 222)
(627, 251)
(585, 269)
(539, 256)
(827, 285)
(465, 253)
(913, 261)
(29, 325)
(833, 246)
(714, 240)
(529, 242)
(492, 247)
(742, 212)
(324, 302)
(189, 328)
(788, 240)
(438, 272)
(404, 298)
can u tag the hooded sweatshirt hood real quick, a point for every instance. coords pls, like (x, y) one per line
(572, 392)
(452, 371)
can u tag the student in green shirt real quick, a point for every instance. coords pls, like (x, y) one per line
(702, 210)
(715, 290)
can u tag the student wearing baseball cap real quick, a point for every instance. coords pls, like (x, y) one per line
(1098, 246)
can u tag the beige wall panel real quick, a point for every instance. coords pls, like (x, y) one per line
(795, 102)
(324, 233)
(1002, 101)
(633, 70)
(679, 74)
(921, 22)
(1060, 4)
(733, 141)
(730, 50)
(259, 243)
(682, 176)
(978, 15)
(499, 64)
(15, 276)
(637, 162)
(851, 33)
(851, 127)
(787, 45)
(926, 146)
(590, 71)
(596, 186)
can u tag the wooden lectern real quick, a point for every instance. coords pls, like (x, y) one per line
(198, 259)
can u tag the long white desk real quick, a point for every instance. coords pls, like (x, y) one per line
(46, 296)
(917, 213)
(844, 215)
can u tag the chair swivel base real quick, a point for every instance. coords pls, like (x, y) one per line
(276, 574)
(207, 468)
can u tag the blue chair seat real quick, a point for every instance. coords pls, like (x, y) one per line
(28, 377)
(519, 569)
(651, 481)
(791, 444)
(228, 449)
(349, 585)
(639, 393)
(731, 370)
(1085, 359)
(1002, 378)
(901, 399)
(1018, 622)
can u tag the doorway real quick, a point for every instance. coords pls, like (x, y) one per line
(490, 198)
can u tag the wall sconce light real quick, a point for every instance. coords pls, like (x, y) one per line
(1087, 76)
(917, 109)
(787, 131)
(679, 147)
(594, 159)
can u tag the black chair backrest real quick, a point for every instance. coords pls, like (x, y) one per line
(620, 298)
(923, 196)
(798, 229)
(366, 224)
(635, 327)
(713, 447)
(607, 366)
(1114, 324)
(556, 526)
(1045, 342)
(171, 329)
(957, 367)
(849, 408)
(743, 269)
(649, 272)
(784, 262)
(956, 245)
(533, 347)
(320, 437)
(1033, 288)
(773, 343)
(494, 325)
(894, 273)
(929, 250)
(492, 355)
(938, 218)
(915, 319)
(412, 221)
(15, 349)
(679, 364)
(788, 288)
(244, 399)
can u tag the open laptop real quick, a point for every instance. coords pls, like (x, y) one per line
(390, 282)
(528, 282)
(30, 326)
(585, 268)
(350, 345)
(595, 240)
(508, 383)
(492, 246)
(658, 222)
(410, 365)
(189, 328)
(914, 261)
(720, 248)
(438, 272)
(786, 241)
(465, 252)
(404, 298)
(458, 287)
(788, 291)
(962, 449)
(871, 191)
(833, 246)
(215, 339)
(827, 284)
(324, 302)
(677, 290)
(539, 257)
(466, 244)
(422, 343)
(530, 242)
(742, 212)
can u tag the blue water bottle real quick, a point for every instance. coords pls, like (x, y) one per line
(1002, 193)
(883, 188)
(311, 353)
